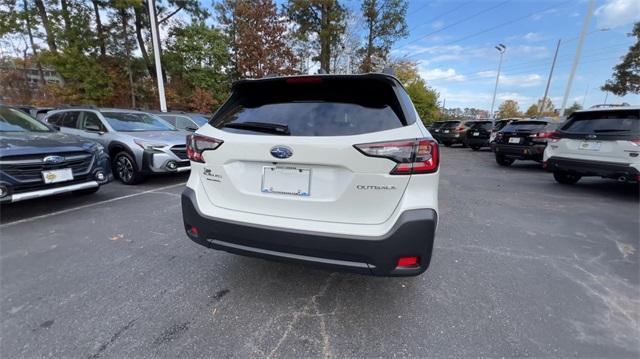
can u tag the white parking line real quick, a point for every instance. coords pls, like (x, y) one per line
(89, 205)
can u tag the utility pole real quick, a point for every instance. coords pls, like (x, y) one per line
(156, 54)
(576, 59)
(501, 49)
(546, 90)
(444, 102)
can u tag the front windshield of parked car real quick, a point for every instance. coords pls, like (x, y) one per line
(200, 120)
(136, 122)
(12, 120)
(600, 122)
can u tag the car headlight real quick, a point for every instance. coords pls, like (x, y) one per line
(146, 145)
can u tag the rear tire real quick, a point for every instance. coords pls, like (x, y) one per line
(84, 192)
(124, 168)
(566, 177)
(504, 161)
(475, 148)
(446, 144)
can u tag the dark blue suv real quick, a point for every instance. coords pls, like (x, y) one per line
(37, 161)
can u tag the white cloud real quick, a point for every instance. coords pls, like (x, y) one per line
(527, 80)
(616, 13)
(442, 74)
(437, 24)
(533, 36)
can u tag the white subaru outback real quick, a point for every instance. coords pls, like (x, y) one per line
(333, 170)
(601, 141)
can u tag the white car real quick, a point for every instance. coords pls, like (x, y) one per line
(333, 170)
(601, 141)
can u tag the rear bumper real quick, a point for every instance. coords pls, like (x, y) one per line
(592, 168)
(534, 152)
(412, 235)
(478, 141)
(452, 137)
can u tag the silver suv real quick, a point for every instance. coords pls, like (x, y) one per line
(139, 143)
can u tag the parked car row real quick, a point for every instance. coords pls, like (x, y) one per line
(78, 149)
(603, 141)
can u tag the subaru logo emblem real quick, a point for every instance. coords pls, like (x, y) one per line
(281, 152)
(53, 159)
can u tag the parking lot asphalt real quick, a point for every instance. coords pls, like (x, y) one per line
(522, 266)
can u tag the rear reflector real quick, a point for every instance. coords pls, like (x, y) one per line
(408, 262)
(192, 231)
(412, 156)
(304, 80)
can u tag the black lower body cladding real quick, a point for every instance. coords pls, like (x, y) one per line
(592, 168)
(534, 152)
(412, 235)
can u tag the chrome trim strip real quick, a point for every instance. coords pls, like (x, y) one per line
(291, 255)
(51, 191)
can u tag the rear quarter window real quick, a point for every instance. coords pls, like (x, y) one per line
(330, 107)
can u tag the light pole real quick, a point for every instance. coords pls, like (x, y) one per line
(155, 39)
(576, 59)
(501, 49)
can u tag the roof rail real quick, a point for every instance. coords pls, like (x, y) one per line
(63, 106)
(624, 104)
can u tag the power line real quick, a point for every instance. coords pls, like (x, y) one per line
(499, 25)
(439, 16)
(454, 24)
(521, 71)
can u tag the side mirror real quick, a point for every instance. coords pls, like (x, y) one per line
(191, 129)
(93, 128)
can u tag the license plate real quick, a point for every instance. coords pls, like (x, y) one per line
(514, 140)
(286, 180)
(476, 133)
(55, 176)
(590, 146)
(446, 131)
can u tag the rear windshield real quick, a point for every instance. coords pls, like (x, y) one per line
(604, 122)
(525, 126)
(326, 107)
(451, 124)
(485, 125)
(437, 125)
(500, 125)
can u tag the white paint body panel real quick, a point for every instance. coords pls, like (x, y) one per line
(228, 184)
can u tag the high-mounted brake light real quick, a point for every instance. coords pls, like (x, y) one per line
(197, 144)
(304, 80)
(412, 156)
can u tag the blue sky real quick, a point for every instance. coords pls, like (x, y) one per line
(462, 66)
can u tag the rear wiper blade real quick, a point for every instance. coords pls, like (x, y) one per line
(274, 128)
(610, 130)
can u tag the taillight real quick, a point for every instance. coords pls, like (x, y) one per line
(636, 141)
(553, 134)
(412, 156)
(459, 129)
(197, 144)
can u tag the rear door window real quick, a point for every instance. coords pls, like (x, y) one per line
(69, 119)
(324, 108)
